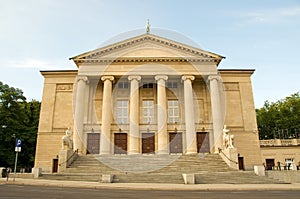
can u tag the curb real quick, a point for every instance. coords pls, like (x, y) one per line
(152, 186)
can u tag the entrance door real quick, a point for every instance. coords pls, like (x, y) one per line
(93, 143)
(203, 142)
(270, 163)
(55, 166)
(241, 163)
(175, 140)
(148, 142)
(120, 143)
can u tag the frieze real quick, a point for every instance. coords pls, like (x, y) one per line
(146, 59)
(64, 87)
(231, 86)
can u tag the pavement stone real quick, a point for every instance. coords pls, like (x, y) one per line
(149, 186)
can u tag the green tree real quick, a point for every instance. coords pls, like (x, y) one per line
(280, 119)
(18, 119)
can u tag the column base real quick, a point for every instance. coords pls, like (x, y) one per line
(133, 153)
(191, 153)
(162, 152)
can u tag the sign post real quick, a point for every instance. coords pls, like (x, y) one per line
(17, 150)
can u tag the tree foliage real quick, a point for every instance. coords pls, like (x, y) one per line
(280, 119)
(18, 119)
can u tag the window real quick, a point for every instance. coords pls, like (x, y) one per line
(148, 111)
(173, 111)
(123, 85)
(122, 112)
(172, 84)
(147, 85)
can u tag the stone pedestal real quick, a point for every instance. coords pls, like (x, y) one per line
(37, 172)
(230, 156)
(65, 158)
(107, 178)
(189, 178)
(259, 170)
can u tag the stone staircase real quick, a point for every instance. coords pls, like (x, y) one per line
(208, 169)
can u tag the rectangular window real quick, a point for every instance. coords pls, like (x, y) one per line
(173, 111)
(147, 85)
(172, 84)
(123, 85)
(148, 111)
(122, 112)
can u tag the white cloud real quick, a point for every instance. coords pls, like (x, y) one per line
(39, 64)
(270, 16)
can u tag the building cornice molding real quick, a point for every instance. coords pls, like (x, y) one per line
(144, 59)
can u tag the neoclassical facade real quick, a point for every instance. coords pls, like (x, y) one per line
(147, 95)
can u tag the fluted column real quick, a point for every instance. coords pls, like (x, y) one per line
(191, 142)
(134, 135)
(82, 82)
(105, 142)
(216, 110)
(162, 114)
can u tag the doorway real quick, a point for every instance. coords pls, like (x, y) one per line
(203, 142)
(241, 163)
(148, 143)
(120, 140)
(270, 163)
(55, 166)
(93, 143)
(175, 140)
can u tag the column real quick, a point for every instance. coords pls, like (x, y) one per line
(134, 135)
(216, 111)
(82, 82)
(162, 115)
(105, 142)
(191, 142)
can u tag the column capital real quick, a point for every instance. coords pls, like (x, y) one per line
(134, 77)
(110, 78)
(188, 77)
(83, 78)
(161, 77)
(214, 77)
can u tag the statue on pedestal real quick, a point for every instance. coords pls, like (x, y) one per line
(227, 139)
(67, 142)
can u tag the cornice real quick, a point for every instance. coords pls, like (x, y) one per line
(145, 59)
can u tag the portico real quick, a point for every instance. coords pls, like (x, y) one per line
(161, 127)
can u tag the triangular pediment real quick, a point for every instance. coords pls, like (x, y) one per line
(146, 47)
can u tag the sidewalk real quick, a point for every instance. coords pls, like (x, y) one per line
(150, 186)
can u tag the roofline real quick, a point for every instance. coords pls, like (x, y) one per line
(56, 72)
(250, 71)
(142, 35)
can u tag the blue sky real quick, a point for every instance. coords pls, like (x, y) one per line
(262, 35)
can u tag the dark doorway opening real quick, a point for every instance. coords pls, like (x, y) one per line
(241, 163)
(55, 166)
(270, 163)
(175, 142)
(93, 143)
(203, 142)
(120, 141)
(148, 143)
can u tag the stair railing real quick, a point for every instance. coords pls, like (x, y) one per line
(220, 151)
(71, 156)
